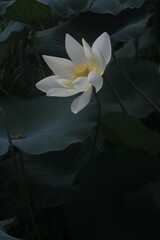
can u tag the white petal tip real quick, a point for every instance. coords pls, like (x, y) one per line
(74, 112)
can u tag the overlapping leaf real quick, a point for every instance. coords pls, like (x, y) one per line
(13, 32)
(128, 131)
(114, 7)
(5, 236)
(145, 75)
(125, 27)
(26, 11)
(65, 8)
(47, 124)
(53, 172)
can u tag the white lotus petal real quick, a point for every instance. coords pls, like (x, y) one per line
(80, 102)
(75, 50)
(100, 61)
(96, 80)
(60, 66)
(65, 83)
(61, 92)
(47, 83)
(103, 44)
(87, 50)
(81, 84)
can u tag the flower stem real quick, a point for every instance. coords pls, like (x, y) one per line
(85, 187)
(8, 132)
(17, 170)
(116, 95)
(97, 146)
(36, 51)
(134, 85)
(25, 201)
(98, 123)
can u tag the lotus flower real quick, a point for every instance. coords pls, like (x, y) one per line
(80, 74)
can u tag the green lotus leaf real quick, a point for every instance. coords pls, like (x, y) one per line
(128, 131)
(145, 75)
(114, 7)
(47, 124)
(26, 11)
(11, 34)
(132, 29)
(53, 172)
(65, 8)
(5, 236)
(125, 27)
(3, 5)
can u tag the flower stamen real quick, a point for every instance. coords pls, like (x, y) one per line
(81, 70)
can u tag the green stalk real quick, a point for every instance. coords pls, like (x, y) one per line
(88, 165)
(134, 85)
(8, 132)
(98, 123)
(24, 196)
(97, 146)
(17, 170)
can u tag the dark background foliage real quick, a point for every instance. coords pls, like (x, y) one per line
(51, 187)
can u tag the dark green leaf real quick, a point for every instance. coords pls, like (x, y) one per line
(65, 8)
(5, 236)
(125, 26)
(145, 75)
(128, 131)
(127, 51)
(114, 7)
(122, 1)
(53, 173)
(147, 39)
(12, 33)
(47, 124)
(3, 5)
(27, 11)
(132, 29)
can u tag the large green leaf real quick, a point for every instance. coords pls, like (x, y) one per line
(145, 75)
(127, 51)
(65, 8)
(128, 131)
(5, 236)
(132, 29)
(114, 7)
(53, 173)
(26, 11)
(47, 124)
(122, 1)
(125, 26)
(3, 5)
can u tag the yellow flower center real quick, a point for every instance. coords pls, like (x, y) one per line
(81, 70)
